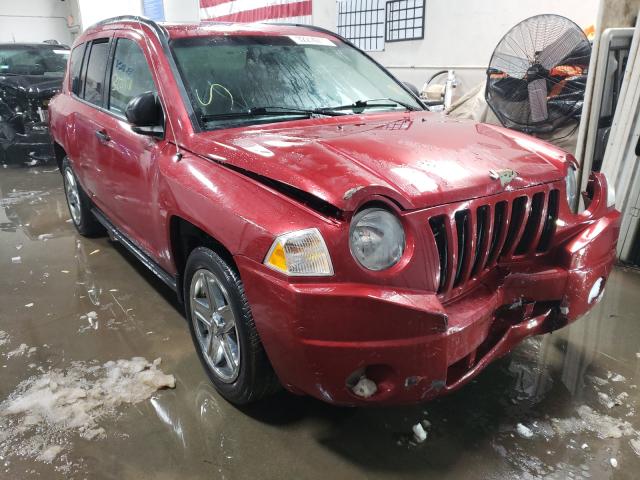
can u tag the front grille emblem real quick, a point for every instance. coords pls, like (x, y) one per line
(505, 176)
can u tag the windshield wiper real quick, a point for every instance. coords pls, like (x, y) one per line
(362, 104)
(267, 112)
(291, 111)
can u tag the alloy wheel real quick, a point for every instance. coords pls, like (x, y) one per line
(73, 196)
(215, 325)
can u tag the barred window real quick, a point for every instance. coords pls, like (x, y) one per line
(405, 20)
(362, 22)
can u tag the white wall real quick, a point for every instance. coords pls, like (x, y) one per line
(325, 14)
(462, 34)
(92, 11)
(181, 10)
(34, 21)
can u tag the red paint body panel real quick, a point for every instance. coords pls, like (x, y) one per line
(415, 338)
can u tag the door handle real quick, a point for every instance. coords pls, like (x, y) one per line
(103, 136)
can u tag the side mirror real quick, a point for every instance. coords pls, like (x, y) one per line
(144, 113)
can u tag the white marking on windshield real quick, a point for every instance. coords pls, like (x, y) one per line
(308, 40)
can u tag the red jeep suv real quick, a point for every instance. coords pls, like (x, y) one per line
(324, 231)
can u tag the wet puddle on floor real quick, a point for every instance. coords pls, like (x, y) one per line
(559, 406)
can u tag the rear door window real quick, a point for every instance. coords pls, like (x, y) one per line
(130, 75)
(75, 67)
(95, 72)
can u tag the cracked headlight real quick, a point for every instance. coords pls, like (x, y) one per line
(300, 254)
(376, 239)
(571, 183)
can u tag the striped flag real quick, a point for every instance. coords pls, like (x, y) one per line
(292, 11)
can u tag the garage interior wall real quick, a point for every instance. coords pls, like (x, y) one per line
(462, 35)
(93, 11)
(34, 21)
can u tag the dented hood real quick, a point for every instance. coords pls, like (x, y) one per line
(419, 159)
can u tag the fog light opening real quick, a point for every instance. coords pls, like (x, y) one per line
(596, 291)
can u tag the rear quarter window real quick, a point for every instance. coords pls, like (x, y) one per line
(75, 67)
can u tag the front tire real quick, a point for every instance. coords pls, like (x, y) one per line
(223, 330)
(79, 204)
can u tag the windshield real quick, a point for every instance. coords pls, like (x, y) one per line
(33, 60)
(283, 76)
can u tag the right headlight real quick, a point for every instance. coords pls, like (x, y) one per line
(376, 239)
(571, 182)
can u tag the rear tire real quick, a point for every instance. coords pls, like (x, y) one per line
(223, 331)
(79, 204)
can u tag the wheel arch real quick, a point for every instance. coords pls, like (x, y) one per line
(59, 153)
(184, 237)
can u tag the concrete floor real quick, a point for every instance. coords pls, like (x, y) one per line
(190, 432)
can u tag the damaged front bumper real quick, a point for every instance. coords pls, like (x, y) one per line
(322, 338)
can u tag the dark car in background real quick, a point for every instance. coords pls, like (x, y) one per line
(30, 74)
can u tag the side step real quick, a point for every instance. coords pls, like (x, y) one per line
(137, 252)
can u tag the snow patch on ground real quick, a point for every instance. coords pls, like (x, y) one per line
(589, 420)
(39, 419)
(23, 349)
(635, 445)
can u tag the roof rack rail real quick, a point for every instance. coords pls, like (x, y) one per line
(159, 30)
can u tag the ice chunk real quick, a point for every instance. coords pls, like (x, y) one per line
(613, 462)
(635, 445)
(49, 454)
(365, 387)
(16, 259)
(597, 380)
(605, 400)
(618, 378)
(419, 433)
(524, 431)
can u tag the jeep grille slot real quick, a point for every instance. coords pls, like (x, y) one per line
(516, 225)
(439, 233)
(550, 222)
(462, 230)
(499, 234)
(482, 238)
(533, 227)
(471, 240)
